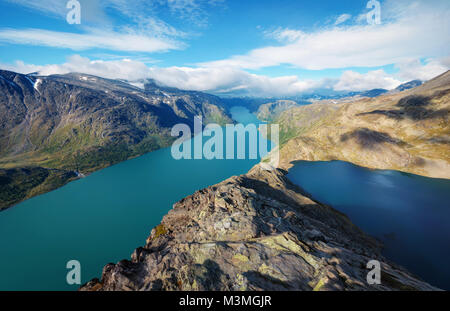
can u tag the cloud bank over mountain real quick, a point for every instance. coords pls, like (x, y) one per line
(231, 80)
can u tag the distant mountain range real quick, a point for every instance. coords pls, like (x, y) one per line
(77, 123)
(408, 85)
(254, 103)
(268, 109)
(320, 95)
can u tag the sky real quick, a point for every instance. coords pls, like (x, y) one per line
(262, 48)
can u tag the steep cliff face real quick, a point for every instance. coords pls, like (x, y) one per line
(407, 131)
(254, 232)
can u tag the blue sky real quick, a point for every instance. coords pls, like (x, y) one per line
(257, 48)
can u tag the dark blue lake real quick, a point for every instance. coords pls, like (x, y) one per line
(410, 214)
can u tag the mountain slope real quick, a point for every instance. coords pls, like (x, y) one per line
(272, 110)
(17, 184)
(408, 131)
(82, 123)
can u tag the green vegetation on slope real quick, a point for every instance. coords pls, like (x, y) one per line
(19, 184)
(84, 123)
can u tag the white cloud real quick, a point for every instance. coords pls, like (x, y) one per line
(342, 19)
(445, 62)
(408, 32)
(213, 80)
(415, 70)
(284, 35)
(105, 39)
(377, 79)
(193, 10)
(232, 80)
(113, 69)
(92, 11)
(20, 67)
(49, 7)
(140, 29)
(407, 71)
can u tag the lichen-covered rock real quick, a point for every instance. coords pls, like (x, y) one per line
(254, 232)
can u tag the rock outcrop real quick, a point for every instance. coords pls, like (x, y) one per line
(254, 232)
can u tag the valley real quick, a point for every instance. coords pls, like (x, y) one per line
(249, 232)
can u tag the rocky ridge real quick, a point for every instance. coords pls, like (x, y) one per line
(254, 232)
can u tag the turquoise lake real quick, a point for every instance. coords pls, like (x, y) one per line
(410, 214)
(101, 218)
